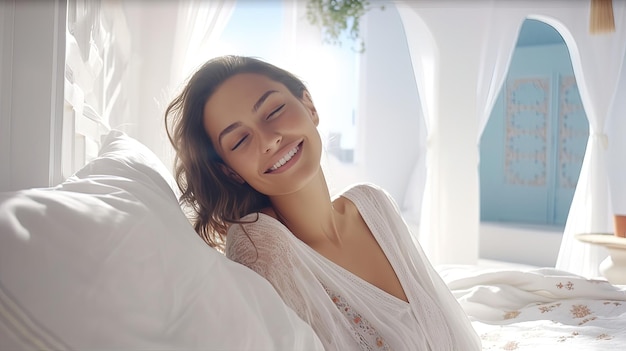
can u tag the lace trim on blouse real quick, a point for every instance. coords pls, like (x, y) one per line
(370, 338)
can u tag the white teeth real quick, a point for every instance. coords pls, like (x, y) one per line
(285, 158)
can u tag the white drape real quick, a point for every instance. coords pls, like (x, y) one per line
(425, 69)
(199, 25)
(616, 131)
(499, 44)
(486, 41)
(597, 61)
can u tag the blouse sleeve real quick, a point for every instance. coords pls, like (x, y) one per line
(264, 252)
(266, 248)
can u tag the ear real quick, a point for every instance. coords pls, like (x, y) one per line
(231, 173)
(308, 103)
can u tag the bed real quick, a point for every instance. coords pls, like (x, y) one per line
(539, 308)
(108, 260)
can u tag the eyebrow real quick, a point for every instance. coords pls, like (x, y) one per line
(255, 108)
(262, 99)
(227, 130)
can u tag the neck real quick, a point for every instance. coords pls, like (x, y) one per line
(309, 213)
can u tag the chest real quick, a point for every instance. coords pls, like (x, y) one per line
(361, 255)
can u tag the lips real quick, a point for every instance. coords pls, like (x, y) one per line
(286, 158)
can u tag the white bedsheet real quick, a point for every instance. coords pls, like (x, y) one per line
(108, 261)
(540, 309)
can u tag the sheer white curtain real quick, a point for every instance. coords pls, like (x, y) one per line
(491, 30)
(425, 58)
(500, 40)
(616, 132)
(199, 25)
(597, 61)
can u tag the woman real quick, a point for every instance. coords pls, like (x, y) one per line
(248, 165)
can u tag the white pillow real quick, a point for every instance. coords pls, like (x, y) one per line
(107, 260)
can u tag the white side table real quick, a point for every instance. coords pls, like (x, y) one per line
(613, 268)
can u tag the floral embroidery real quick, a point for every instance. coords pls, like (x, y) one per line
(568, 286)
(490, 336)
(587, 320)
(363, 326)
(511, 345)
(564, 338)
(580, 311)
(549, 308)
(379, 341)
(511, 314)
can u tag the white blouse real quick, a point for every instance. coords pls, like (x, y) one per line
(347, 312)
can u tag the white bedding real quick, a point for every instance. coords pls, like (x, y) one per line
(540, 309)
(108, 261)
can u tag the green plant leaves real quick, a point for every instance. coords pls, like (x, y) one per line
(335, 17)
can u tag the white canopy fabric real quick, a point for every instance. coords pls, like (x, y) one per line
(616, 131)
(597, 61)
(446, 40)
(199, 25)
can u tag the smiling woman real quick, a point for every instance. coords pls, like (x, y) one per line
(250, 113)
(248, 164)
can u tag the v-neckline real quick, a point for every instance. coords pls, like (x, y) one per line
(355, 277)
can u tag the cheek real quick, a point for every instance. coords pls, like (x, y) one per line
(243, 164)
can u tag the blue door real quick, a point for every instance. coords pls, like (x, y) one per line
(533, 145)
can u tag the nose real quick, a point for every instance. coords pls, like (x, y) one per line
(270, 141)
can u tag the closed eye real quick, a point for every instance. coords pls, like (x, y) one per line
(277, 110)
(239, 143)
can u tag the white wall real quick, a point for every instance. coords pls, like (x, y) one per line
(527, 244)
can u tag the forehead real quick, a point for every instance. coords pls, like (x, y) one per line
(241, 90)
(235, 98)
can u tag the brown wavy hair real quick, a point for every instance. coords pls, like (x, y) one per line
(213, 200)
